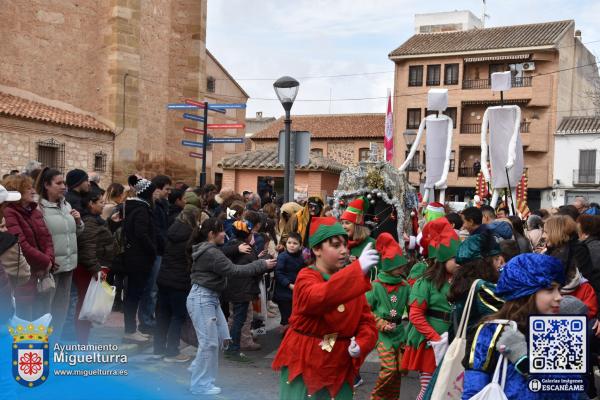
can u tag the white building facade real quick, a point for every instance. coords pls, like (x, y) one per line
(576, 162)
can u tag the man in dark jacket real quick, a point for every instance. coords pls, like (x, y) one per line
(176, 204)
(240, 291)
(78, 183)
(140, 252)
(160, 213)
(174, 285)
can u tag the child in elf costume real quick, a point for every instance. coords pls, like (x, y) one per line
(388, 299)
(353, 222)
(331, 330)
(429, 313)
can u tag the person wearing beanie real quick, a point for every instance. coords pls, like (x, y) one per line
(78, 184)
(429, 314)
(530, 284)
(140, 252)
(353, 221)
(433, 211)
(331, 330)
(388, 300)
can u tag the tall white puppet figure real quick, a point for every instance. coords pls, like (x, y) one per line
(439, 145)
(506, 149)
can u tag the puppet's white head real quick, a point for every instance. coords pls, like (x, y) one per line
(437, 99)
(501, 81)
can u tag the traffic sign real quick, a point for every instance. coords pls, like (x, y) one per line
(178, 106)
(193, 130)
(193, 117)
(226, 140)
(191, 143)
(195, 155)
(225, 126)
(224, 106)
(198, 104)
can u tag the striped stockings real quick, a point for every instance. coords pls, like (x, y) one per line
(387, 386)
(424, 379)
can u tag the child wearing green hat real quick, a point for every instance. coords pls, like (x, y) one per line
(388, 300)
(331, 329)
(429, 308)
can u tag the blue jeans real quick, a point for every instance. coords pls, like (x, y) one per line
(170, 315)
(240, 311)
(211, 329)
(148, 301)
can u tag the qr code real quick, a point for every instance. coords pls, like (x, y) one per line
(557, 344)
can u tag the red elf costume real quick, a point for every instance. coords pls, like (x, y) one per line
(329, 311)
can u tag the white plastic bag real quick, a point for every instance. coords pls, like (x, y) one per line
(495, 389)
(98, 301)
(449, 382)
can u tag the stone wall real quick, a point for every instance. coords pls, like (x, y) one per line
(19, 143)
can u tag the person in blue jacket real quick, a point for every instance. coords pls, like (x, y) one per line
(289, 263)
(530, 285)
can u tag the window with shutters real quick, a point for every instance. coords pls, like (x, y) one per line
(414, 163)
(587, 166)
(363, 154)
(451, 112)
(413, 118)
(433, 75)
(451, 74)
(452, 161)
(415, 75)
(210, 84)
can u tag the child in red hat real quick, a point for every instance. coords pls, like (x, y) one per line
(388, 300)
(331, 330)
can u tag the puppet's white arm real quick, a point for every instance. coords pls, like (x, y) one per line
(484, 148)
(512, 145)
(414, 146)
(444, 178)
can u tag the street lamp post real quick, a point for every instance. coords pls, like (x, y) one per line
(286, 89)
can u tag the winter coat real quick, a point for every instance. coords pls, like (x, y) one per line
(161, 222)
(240, 288)
(64, 233)
(107, 211)
(12, 258)
(74, 199)
(593, 245)
(286, 271)
(211, 269)
(523, 243)
(174, 211)
(6, 304)
(174, 270)
(35, 240)
(140, 236)
(96, 244)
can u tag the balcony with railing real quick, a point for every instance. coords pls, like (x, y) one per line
(468, 172)
(524, 81)
(476, 128)
(586, 177)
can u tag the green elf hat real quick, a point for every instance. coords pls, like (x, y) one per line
(322, 228)
(440, 239)
(355, 212)
(434, 210)
(390, 252)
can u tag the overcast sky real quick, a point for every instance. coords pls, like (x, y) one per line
(259, 41)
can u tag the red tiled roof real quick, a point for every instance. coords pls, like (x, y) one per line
(19, 107)
(330, 126)
(502, 37)
(267, 159)
(571, 125)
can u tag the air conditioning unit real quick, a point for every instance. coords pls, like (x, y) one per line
(528, 66)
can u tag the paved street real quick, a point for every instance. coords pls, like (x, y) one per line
(238, 381)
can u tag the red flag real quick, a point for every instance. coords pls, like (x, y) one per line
(388, 140)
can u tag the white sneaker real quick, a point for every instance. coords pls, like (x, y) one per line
(135, 337)
(212, 391)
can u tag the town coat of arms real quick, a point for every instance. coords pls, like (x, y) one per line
(30, 350)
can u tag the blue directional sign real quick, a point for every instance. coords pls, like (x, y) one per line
(191, 143)
(226, 140)
(193, 117)
(224, 106)
(181, 106)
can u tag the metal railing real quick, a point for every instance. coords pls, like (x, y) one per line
(476, 128)
(586, 177)
(524, 81)
(468, 171)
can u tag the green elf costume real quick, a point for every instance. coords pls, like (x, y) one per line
(388, 300)
(330, 314)
(355, 213)
(429, 313)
